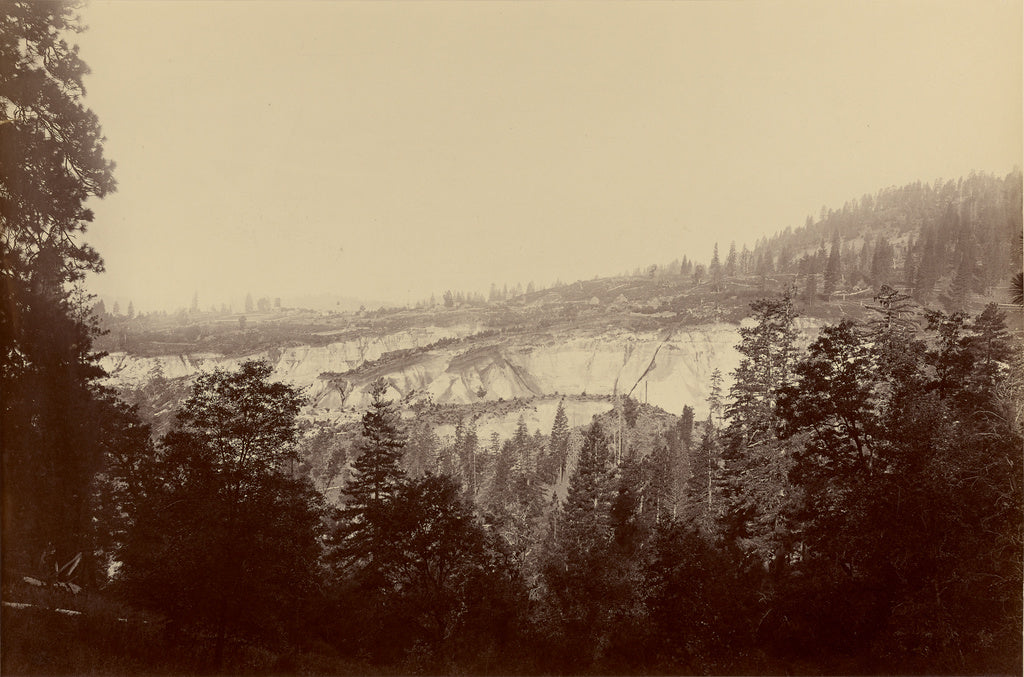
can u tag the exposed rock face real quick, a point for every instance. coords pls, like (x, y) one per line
(669, 369)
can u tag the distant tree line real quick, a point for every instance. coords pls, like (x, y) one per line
(943, 242)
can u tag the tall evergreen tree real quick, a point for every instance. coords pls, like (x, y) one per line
(715, 270)
(882, 262)
(811, 289)
(584, 524)
(714, 399)
(833, 269)
(961, 285)
(376, 477)
(686, 425)
(731, 260)
(754, 483)
(578, 563)
(559, 445)
(767, 352)
(52, 166)
(891, 330)
(378, 469)
(703, 480)
(661, 492)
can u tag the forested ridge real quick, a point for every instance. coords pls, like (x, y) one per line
(849, 505)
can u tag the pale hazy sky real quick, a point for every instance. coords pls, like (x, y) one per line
(389, 150)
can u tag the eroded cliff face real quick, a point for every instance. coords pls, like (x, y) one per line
(299, 365)
(669, 369)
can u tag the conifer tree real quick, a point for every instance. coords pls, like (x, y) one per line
(52, 168)
(811, 289)
(746, 261)
(882, 260)
(731, 260)
(833, 269)
(626, 520)
(754, 482)
(714, 399)
(960, 286)
(584, 524)
(559, 446)
(579, 563)
(661, 484)
(715, 270)
(378, 470)
(422, 449)
(686, 426)
(703, 478)
(698, 273)
(376, 477)
(929, 266)
(768, 352)
(467, 451)
(893, 315)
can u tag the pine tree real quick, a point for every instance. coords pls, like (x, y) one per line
(960, 286)
(699, 273)
(811, 289)
(53, 168)
(714, 398)
(833, 269)
(893, 318)
(582, 569)
(754, 482)
(422, 449)
(882, 261)
(991, 346)
(891, 333)
(686, 426)
(585, 518)
(467, 451)
(731, 261)
(661, 484)
(626, 520)
(560, 438)
(820, 259)
(376, 477)
(929, 267)
(715, 270)
(378, 470)
(703, 478)
(768, 351)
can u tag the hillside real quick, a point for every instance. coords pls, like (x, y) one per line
(658, 335)
(657, 338)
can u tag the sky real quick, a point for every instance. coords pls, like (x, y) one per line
(391, 150)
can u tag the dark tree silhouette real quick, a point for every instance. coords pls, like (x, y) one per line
(53, 164)
(224, 536)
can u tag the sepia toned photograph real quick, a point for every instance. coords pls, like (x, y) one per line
(467, 337)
